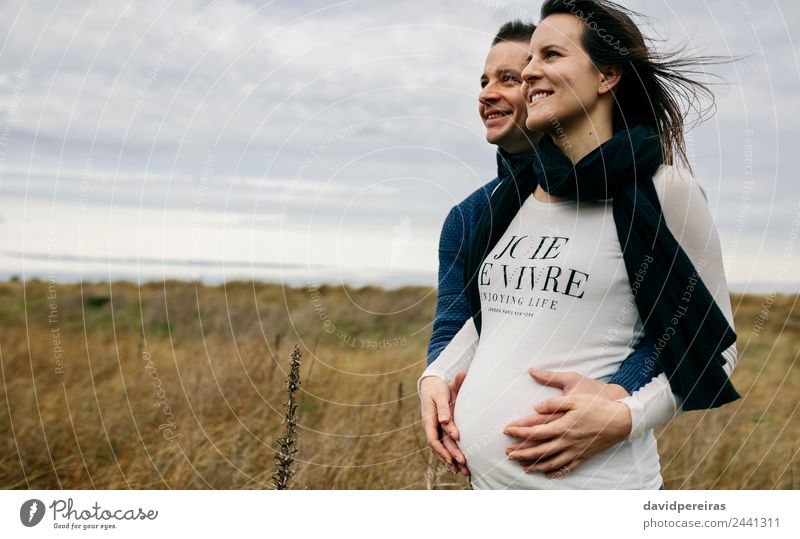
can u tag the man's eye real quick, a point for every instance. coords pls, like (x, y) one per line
(508, 77)
(551, 54)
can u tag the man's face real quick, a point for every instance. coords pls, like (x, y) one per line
(501, 102)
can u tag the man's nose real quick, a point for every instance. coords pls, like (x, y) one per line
(488, 95)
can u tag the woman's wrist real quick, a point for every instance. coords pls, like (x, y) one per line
(623, 422)
(636, 416)
(615, 392)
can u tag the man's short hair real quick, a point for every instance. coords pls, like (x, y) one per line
(515, 30)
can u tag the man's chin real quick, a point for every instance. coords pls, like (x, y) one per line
(494, 137)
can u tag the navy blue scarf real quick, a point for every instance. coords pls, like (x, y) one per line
(679, 314)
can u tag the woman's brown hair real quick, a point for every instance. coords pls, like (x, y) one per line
(656, 88)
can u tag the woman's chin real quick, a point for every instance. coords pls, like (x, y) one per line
(537, 124)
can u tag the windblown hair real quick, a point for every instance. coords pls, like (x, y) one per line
(655, 88)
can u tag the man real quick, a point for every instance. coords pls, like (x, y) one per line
(502, 108)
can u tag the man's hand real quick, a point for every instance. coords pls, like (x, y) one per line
(438, 402)
(588, 426)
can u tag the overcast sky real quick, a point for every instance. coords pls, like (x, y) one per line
(320, 141)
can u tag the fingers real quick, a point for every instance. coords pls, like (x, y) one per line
(437, 414)
(432, 437)
(444, 414)
(455, 387)
(553, 378)
(565, 469)
(555, 471)
(435, 397)
(556, 404)
(442, 407)
(461, 461)
(546, 449)
(535, 419)
(540, 432)
(524, 445)
(559, 465)
(457, 382)
(453, 449)
(430, 424)
(441, 445)
(554, 465)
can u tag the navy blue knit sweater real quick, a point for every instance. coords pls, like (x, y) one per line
(452, 310)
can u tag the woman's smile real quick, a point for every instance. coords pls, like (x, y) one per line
(535, 96)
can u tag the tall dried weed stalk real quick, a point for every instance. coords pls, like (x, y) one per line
(284, 457)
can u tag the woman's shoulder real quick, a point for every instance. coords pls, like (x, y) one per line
(684, 205)
(676, 184)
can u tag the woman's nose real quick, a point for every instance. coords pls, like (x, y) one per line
(532, 71)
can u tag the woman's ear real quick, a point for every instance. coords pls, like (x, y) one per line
(609, 78)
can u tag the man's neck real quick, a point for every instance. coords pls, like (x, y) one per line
(517, 151)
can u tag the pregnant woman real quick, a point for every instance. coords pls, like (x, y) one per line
(602, 240)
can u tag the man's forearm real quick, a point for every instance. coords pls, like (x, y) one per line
(638, 368)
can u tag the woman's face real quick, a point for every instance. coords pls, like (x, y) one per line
(562, 88)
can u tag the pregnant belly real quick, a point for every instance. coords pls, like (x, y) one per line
(496, 393)
(491, 397)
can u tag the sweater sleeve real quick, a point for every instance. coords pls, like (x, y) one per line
(687, 215)
(452, 309)
(457, 355)
(636, 371)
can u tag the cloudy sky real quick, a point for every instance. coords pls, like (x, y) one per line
(326, 141)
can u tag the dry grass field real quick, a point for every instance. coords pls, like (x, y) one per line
(178, 385)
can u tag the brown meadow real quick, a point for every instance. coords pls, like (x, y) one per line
(180, 385)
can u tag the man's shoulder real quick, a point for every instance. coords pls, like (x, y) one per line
(464, 216)
(472, 207)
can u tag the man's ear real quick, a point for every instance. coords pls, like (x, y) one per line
(609, 78)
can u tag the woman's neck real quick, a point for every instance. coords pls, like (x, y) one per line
(576, 144)
(579, 142)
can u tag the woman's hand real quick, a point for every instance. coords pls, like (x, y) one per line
(571, 383)
(438, 402)
(588, 425)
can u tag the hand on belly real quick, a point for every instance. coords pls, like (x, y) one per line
(486, 405)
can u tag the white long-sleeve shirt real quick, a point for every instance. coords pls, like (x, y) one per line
(555, 295)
